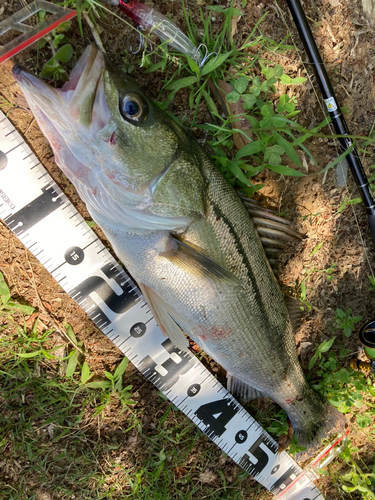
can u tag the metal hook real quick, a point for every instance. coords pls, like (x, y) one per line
(142, 43)
(206, 55)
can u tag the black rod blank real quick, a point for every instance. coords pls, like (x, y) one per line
(334, 110)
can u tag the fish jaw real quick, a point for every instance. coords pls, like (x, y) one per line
(58, 113)
(127, 173)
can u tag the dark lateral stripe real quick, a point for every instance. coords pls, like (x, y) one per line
(241, 251)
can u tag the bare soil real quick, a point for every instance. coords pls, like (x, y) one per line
(347, 44)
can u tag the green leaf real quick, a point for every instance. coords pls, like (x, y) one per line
(102, 384)
(210, 103)
(70, 333)
(118, 384)
(182, 83)
(326, 345)
(58, 39)
(232, 96)
(120, 370)
(288, 148)
(72, 363)
(250, 149)
(248, 100)
(250, 170)
(253, 121)
(41, 43)
(274, 159)
(278, 70)
(337, 160)
(64, 27)
(193, 65)
(216, 8)
(64, 54)
(23, 309)
(155, 67)
(283, 170)
(255, 91)
(235, 169)
(285, 79)
(241, 84)
(298, 80)
(313, 361)
(47, 72)
(345, 203)
(191, 99)
(108, 375)
(85, 373)
(267, 111)
(214, 63)
(340, 313)
(277, 149)
(317, 248)
(347, 331)
(28, 355)
(268, 83)
(266, 123)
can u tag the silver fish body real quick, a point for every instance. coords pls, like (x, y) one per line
(180, 230)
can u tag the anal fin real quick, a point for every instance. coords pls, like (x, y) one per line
(241, 390)
(164, 317)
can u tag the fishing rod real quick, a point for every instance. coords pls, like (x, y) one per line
(334, 111)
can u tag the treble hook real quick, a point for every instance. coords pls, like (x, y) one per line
(142, 43)
(206, 55)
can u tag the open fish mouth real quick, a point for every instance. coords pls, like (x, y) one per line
(99, 126)
(80, 95)
(77, 111)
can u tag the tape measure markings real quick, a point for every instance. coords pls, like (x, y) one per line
(53, 229)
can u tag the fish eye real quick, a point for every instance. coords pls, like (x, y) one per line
(133, 108)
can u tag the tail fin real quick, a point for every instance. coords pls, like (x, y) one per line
(332, 422)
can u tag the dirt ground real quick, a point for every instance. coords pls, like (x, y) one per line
(347, 44)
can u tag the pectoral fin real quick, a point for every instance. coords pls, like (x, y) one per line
(163, 315)
(194, 262)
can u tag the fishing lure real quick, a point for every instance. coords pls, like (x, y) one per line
(152, 20)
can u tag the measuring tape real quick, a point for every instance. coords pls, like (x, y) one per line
(41, 216)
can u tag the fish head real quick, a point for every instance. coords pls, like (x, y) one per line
(131, 163)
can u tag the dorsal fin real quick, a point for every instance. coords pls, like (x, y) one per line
(274, 231)
(294, 310)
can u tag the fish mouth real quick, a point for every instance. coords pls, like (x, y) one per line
(82, 96)
(70, 117)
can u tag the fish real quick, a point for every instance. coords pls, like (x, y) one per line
(182, 232)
